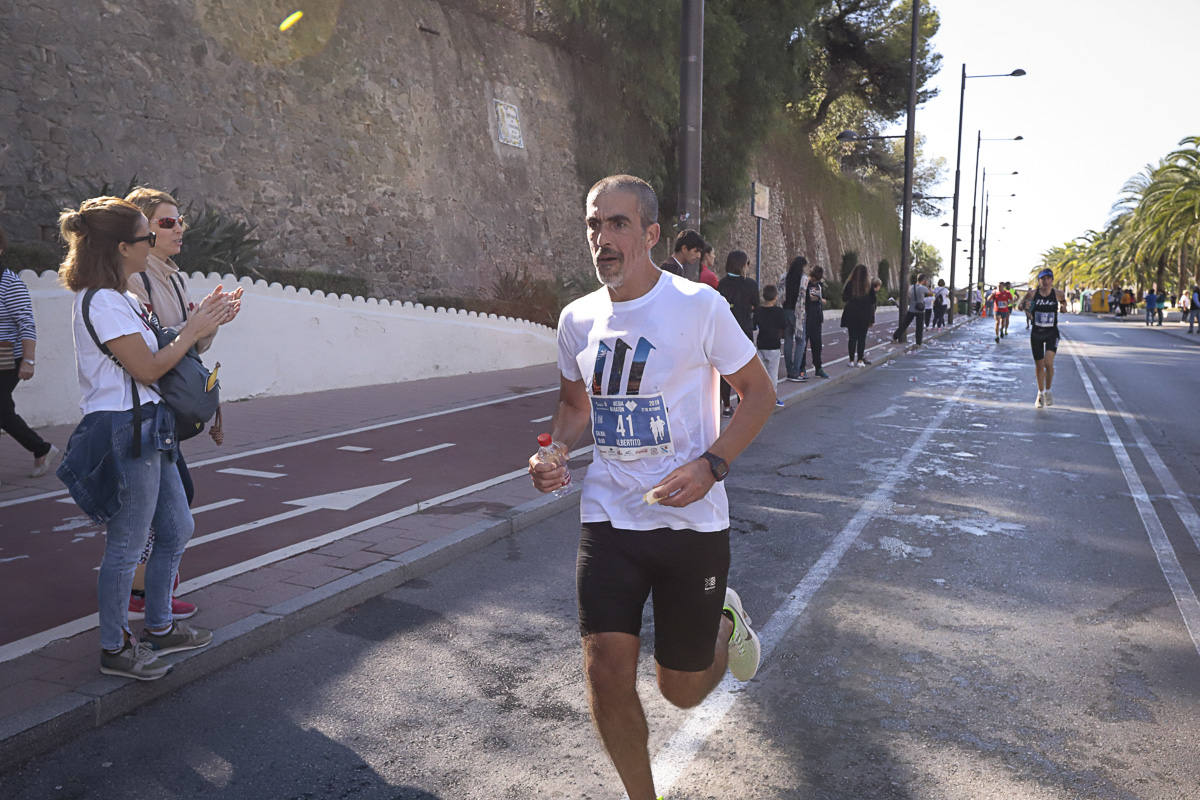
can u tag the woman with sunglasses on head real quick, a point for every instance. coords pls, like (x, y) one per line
(162, 288)
(120, 460)
(1041, 305)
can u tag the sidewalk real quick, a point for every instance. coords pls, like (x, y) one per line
(1175, 328)
(54, 693)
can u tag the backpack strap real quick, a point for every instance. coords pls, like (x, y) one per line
(137, 406)
(175, 284)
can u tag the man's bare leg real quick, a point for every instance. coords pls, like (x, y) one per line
(610, 670)
(688, 689)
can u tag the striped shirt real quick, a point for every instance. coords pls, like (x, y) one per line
(16, 312)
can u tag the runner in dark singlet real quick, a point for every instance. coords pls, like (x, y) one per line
(1042, 305)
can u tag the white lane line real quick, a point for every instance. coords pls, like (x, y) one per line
(542, 419)
(341, 533)
(682, 747)
(214, 506)
(311, 439)
(253, 473)
(38, 640)
(354, 449)
(1187, 514)
(68, 500)
(420, 452)
(375, 427)
(1168, 562)
(196, 541)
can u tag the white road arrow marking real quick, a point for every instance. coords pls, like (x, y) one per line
(336, 501)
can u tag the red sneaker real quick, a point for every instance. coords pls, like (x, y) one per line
(180, 609)
(137, 606)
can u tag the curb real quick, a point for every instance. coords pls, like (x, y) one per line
(57, 721)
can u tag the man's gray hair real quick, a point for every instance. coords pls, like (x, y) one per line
(647, 200)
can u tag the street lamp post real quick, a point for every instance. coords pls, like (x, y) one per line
(691, 77)
(910, 139)
(962, 94)
(974, 196)
(983, 237)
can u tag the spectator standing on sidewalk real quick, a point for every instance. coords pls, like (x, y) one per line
(1161, 308)
(1151, 305)
(770, 323)
(814, 316)
(18, 359)
(941, 300)
(707, 259)
(916, 310)
(120, 461)
(929, 309)
(742, 295)
(163, 289)
(857, 313)
(1194, 307)
(671, 542)
(685, 260)
(794, 341)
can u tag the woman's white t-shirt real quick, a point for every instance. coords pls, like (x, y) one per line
(103, 385)
(666, 348)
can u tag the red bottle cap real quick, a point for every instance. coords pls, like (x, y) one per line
(544, 440)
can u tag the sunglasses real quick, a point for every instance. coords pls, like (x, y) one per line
(167, 223)
(150, 238)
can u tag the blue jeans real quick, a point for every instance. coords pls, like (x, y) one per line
(1193, 318)
(794, 342)
(1149, 316)
(153, 498)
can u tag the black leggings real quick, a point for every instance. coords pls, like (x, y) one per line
(11, 422)
(858, 343)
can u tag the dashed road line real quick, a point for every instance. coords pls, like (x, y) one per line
(1168, 561)
(420, 452)
(253, 473)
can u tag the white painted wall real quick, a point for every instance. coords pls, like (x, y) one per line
(290, 341)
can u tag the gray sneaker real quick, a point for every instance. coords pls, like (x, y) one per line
(136, 660)
(181, 637)
(744, 647)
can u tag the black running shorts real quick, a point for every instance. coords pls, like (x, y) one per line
(685, 570)
(1041, 342)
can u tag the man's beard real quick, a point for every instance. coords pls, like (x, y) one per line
(616, 277)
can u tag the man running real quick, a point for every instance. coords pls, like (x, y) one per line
(1041, 305)
(639, 360)
(1002, 298)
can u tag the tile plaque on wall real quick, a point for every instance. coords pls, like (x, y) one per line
(508, 124)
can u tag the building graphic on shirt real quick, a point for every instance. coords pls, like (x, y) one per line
(619, 351)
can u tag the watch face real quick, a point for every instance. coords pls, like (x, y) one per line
(718, 466)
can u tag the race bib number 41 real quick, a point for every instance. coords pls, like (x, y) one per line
(629, 427)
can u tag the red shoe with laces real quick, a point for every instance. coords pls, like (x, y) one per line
(180, 609)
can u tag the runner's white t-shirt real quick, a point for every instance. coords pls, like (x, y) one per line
(670, 345)
(104, 386)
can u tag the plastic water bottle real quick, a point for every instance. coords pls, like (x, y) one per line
(551, 455)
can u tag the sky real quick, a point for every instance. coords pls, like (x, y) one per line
(1111, 87)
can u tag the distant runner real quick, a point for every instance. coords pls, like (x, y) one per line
(1002, 298)
(1041, 305)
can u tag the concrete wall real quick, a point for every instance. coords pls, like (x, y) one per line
(363, 141)
(289, 341)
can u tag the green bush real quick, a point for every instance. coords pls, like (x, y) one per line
(37, 256)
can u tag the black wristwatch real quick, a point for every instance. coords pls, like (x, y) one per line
(717, 464)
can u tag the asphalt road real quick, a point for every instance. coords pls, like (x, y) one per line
(960, 596)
